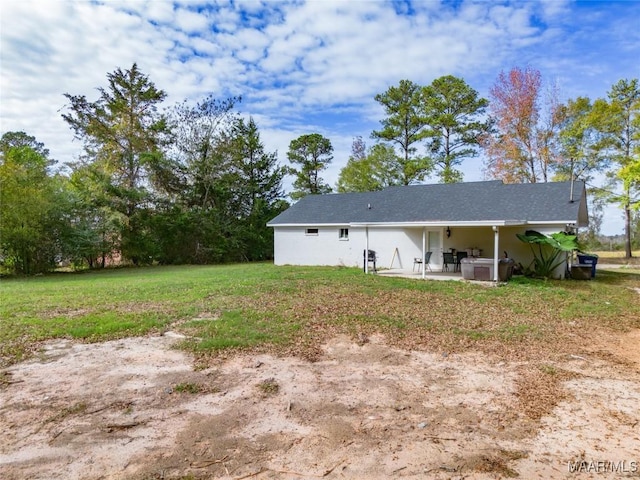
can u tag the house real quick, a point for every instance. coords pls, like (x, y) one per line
(402, 223)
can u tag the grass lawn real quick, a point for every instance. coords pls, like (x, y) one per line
(293, 309)
(618, 257)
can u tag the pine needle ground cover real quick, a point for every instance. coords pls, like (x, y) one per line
(293, 310)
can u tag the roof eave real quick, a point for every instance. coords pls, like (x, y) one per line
(441, 223)
(437, 224)
(310, 224)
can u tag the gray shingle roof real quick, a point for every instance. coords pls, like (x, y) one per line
(457, 202)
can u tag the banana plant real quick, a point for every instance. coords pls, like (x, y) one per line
(548, 256)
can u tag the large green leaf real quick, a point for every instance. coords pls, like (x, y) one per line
(565, 241)
(546, 260)
(531, 236)
(560, 240)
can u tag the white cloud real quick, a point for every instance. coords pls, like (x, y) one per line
(159, 12)
(300, 66)
(553, 10)
(190, 21)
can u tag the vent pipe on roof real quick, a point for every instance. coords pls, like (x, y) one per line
(368, 206)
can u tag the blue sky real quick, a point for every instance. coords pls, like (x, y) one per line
(303, 66)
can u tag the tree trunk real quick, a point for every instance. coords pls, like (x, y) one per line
(627, 232)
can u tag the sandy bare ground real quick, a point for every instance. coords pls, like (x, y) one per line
(138, 409)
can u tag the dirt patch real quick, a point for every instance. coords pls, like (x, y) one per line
(137, 409)
(627, 346)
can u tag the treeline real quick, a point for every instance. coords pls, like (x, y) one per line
(194, 184)
(525, 133)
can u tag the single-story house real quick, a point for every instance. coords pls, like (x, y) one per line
(404, 222)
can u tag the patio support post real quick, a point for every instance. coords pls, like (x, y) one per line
(496, 252)
(366, 249)
(424, 251)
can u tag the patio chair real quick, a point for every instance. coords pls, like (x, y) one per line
(419, 261)
(448, 259)
(369, 256)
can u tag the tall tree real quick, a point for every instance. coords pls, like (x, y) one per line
(405, 126)
(582, 144)
(198, 225)
(523, 147)
(201, 132)
(258, 189)
(32, 207)
(357, 175)
(453, 115)
(619, 120)
(370, 169)
(313, 153)
(21, 139)
(583, 154)
(94, 237)
(123, 136)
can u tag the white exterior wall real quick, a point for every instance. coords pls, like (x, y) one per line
(385, 241)
(293, 247)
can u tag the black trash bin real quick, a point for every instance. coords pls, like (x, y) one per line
(589, 260)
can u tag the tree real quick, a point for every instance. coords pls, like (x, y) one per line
(201, 132)
(595, 206)
(582, 144)
(32, 207)
(405, 126)
(123, 137)
(523, 146)
(369, 170)
(231, 188)
(313, 153)
(94, 234)
(635, 240)
(582, 148)
(619, 121)
(453, 112)
(11, 140)
(357, 175)
(199, 222)
(258, 189)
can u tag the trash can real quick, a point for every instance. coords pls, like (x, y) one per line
(581, 272)
(589, 260)
(505, 269)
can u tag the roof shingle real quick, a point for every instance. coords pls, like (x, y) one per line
(457, 202)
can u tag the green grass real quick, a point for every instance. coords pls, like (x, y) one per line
(294, 308)
(618, 257)
(268, 387)
(192, 388)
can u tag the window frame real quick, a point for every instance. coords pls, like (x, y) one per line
(343, 234)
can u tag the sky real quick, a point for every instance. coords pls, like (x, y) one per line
(303, 66)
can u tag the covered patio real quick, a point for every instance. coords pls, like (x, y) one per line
(417, 275)
(436, 238)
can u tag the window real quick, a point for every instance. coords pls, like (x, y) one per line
(311, 231)
(344, 234)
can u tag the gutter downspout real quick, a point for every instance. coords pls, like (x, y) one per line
(496, 252)
(424, 247)
(366, 250)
